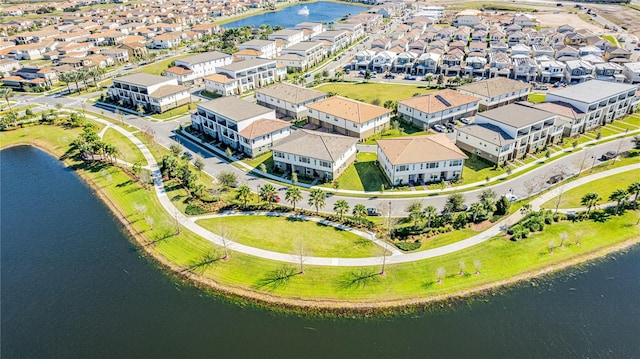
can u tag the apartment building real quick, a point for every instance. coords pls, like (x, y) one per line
(191, 69)
(242, 76)
(496, 92)
(348, 117)
(439, 107)
(314, 154)
(154, 93)
(288, 100)
(420, 159)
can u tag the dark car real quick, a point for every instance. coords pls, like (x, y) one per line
(389, 76)
(373, 211)
(555, 179)
(608, 155)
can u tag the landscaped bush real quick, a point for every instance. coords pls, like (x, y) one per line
(408, 246)
(193, 210)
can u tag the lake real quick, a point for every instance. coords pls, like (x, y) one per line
(288, 17)
(73, 286)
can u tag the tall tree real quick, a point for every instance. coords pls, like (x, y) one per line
(590, 200)
(634, 189)
(341, 207)
(6, 94)
(317, 199)
(429, 213)
(293, 196)
(244, 192)
(359, 211)
(620, 196)
(415, 212)
(268, 193)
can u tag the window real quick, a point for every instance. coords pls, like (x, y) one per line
(455, 163)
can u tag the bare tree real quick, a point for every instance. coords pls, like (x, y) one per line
(177, 223)
(613, 160)
(563, 237)
(462, 267)
(560, 192)
(440, 273)
(477, 264)
(298, 246)
(225, 236)
(530, 186)
(581, 161)
(540, 180)
(149, 221)
(384, 260)
(551, 245)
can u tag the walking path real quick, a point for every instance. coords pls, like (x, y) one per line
(189, 223)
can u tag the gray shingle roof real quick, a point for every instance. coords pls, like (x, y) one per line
(203, 57)
(593, 91)
(234, 108)
(487, 132)
(516, 115)
(494, 87)
(142, 79)
(320, 145)
(291, 93)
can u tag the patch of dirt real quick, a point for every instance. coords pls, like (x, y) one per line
(481, 226)
(555, 20)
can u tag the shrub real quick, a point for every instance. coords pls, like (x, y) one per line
(193, 210)
(408, 246)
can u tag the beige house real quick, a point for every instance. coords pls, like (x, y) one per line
(495, 92)
(437, 108)
(349, 117)
(288, 100)
(420, 159)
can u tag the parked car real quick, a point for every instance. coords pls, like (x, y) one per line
(187, 155)
(608, 155)
(373, 212)
(276, 198)
(439, 128)
(410, 78)
(389, 76)
(555, 179)
(511, 197)
(465, 120)
(450, 125)
(307, 75)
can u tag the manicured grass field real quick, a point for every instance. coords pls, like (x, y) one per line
(364, 175)
(405, 129)
(476, 170)
(604, 187)
(283, 234)
(500, 258)
(180, 110)
(158, 67)
(367, 92)
(128, 151)
(537, 97)
(55, 138)
(266, 158)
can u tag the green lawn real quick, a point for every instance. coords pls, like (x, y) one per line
(283, 234)
(604, 187)
(500, 258)
(158, 67)
(406, 129)
(363, 175)
(611, 39)
(54, 138)
(476, 169)
(368, 92)
(266, 158)
(178, 111)
(537, 97)
(447, 238)
(128, 151)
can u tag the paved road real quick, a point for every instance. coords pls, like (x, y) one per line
(395, 257)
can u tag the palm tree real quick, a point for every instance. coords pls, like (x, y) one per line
(476, 210)
(6, 94)
(429, 213)
(317, 199)
(590, 200)
(415, 212)
(634, 188)
(83, 75)
(620, 196)
(268, 193)
(526, 209)
(64, 77)
(75, 77)
(341, 207)
(293, 196)
(243, 193)
(429, 78)
(359, 211)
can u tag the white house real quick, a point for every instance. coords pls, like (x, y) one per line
(193, 68)
(291, 36)
(632, 72)
(437, 108)
(348, 117)
(288, 100)
(496, 92)
(266, 48)
(419, 159)
(154, 93)
(242, 76)
(259, 136)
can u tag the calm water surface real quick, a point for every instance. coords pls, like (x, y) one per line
(288, 17)
(72, 286)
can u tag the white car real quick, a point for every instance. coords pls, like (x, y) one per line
(511, 197)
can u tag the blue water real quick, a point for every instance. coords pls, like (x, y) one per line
(288, 17)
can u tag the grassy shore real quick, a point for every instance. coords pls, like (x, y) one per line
(342, 288)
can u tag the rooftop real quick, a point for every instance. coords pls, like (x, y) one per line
(320, 145)
(516, 115)
(291, 93)
(245, 64)
(143, 79)
(494, 87)
(593, 91)
(438, 101)
(487, 132)
(235, 109)
(350, 110)
(418, 149)
(262, 127)
(203, 57)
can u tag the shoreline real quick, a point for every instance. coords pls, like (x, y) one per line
(324, 306)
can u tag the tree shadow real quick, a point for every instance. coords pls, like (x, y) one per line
(159, 237)
(124, 184)
(278, 278)
(199, 265)
(294, 219)
(363, 242)
(359, 278)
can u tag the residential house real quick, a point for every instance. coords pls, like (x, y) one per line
(575, 119)
(499, 136)
(167, 41)
(288, 100)
(260, 135)
(428, 63)
(291, 36)
(405, 62)
(524, 68)
(617, 54)
(119, 55)
(452, 62)
(384, 61)
(191, 69)
(496, 92)
(609, 71)
(265, 48)
(577, 71)
(439, 107)
(312, 51)
(135, 50)
(225, 118)
(310, 29)
(603, 101)
(154, 93)
(632, 71)
(348, 117)
(420, 159)
(334, 40)
(499, 65)
(7, 66)
(314, 154)
(551, 71)
(476, 66)
(242, 76)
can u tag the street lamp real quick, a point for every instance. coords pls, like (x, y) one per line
(389, 221)
(592, 164)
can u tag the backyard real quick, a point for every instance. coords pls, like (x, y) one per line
(368, 92)
(285, 235)
(363, 175)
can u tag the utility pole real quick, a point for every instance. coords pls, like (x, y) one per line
(389, 221)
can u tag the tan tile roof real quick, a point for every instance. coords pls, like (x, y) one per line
(320, 145)
(430, 103)
(166, 90)
(249, 52)
(418, 149)
(178, 70)
(221, 78)
(262, 127)
(494, 87)
(351, 110)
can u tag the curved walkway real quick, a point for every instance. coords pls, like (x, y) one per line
(188, 222)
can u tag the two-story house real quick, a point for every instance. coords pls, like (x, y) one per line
(439, 107)
(496, 92)
(348, 117)
(191, 69)
(288, 100)
(242, 76)
(154, 93)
